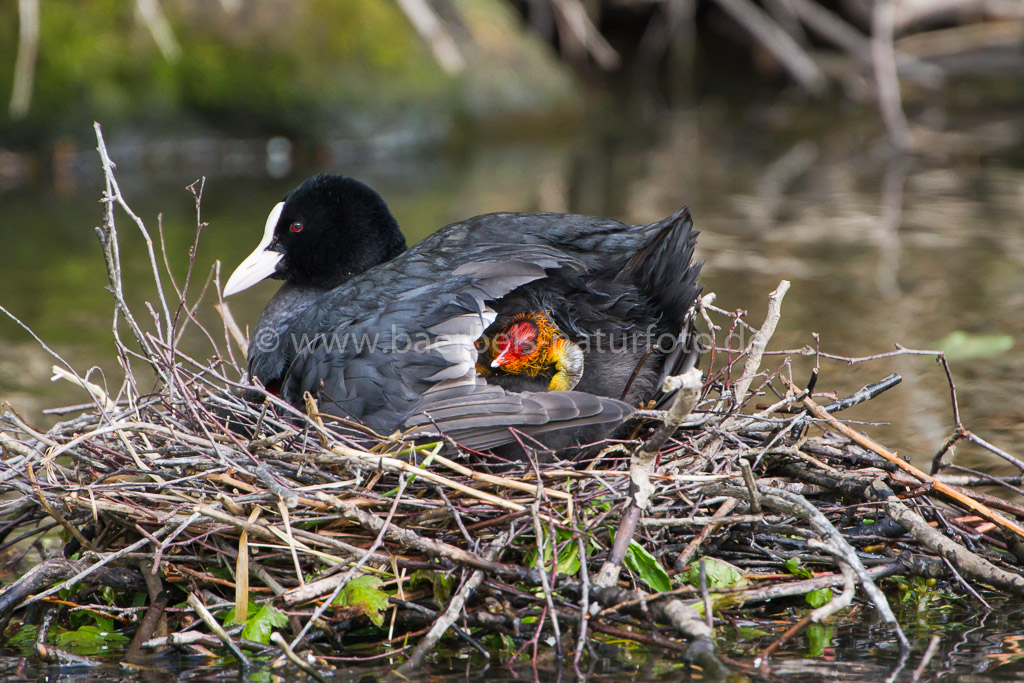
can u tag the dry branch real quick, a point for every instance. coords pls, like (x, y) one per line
(945, 489)
(760, 342)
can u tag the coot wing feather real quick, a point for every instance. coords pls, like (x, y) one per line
(484, 415)
(377, 366)
(417, 352)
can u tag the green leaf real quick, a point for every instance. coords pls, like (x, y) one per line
(228, 618)
(109, 595)
(568, 558)
(24, 640)
(260, 625)
(647, 567)
(819, 637)
(104, 623)
(794, 568)
(90, 640)
(221, 573)
(960, 345)
(66, 593)
(718, 573)
(440, 582)
(362, 592)
(500, 642)
(752, 632)
(817, 598)
(568, 554)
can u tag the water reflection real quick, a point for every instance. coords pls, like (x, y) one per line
(880, 249)
(978, 647)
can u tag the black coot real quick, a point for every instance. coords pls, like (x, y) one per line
(391, 336)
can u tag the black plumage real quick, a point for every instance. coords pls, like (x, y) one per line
(393, 343)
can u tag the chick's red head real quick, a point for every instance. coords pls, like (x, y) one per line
(516, 346)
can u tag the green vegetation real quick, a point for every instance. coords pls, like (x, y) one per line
(267, 67)
(815, 598)
(717, 574)
(647, 568)
(297, 68)
(363, 593)
(959, 345)
(921, 601)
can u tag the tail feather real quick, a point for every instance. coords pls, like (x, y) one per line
(664, 270)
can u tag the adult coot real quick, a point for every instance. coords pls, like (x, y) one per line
(391, 336)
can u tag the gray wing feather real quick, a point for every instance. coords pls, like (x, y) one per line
(481, 417)
(379, 365)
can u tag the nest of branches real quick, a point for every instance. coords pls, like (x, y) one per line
(280, 546)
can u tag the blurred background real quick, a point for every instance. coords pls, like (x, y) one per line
(870, 152)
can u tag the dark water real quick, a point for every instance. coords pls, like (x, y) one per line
(973, 647)
(880, 250)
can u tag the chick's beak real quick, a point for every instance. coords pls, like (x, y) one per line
(496, 363)
(261, 263)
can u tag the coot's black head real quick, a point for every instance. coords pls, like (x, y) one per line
(327, 230)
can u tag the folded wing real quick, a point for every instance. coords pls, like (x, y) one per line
(412, 361)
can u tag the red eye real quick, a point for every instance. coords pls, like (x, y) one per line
(296, 227)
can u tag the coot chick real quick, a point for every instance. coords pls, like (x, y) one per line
(386, 335)
(532, 345)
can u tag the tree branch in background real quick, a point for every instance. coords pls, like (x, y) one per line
(911, 13)
(772, 38)
(883, 57)
(831, 27)
(25, 62)
(428, 24)
(580, 37)
(152, 15)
